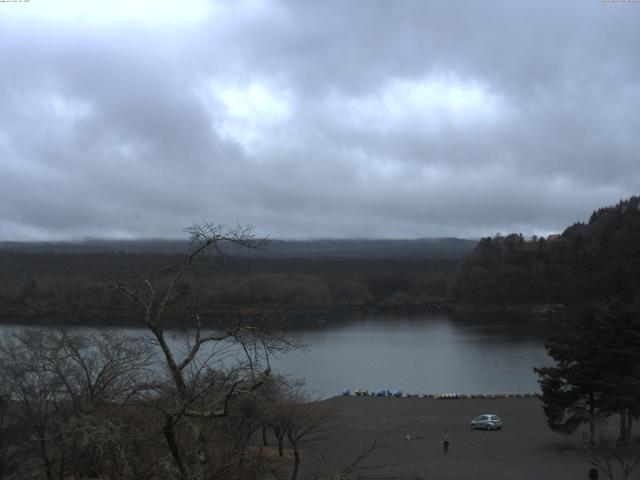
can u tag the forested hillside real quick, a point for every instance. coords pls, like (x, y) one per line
(46, 286)
(587, 261)
(45, 280)
(272, 248)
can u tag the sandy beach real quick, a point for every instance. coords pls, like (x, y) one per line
(524, 449)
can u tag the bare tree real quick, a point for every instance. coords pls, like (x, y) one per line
(276, 414)
(615, 458)
(63, 388)
(101, 377)
(214, 369)
(94, 406)
(8, 433)
(306, 421)
(33, 388)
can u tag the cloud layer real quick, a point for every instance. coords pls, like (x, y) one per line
(315, 119)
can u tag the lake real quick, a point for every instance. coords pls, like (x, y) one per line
(417, 353)
(421, 353)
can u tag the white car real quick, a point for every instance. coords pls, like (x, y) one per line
(488, 421)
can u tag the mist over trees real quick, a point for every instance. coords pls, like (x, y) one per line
(584, 262)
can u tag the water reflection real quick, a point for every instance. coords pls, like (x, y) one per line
(426, 353)
(418, 353)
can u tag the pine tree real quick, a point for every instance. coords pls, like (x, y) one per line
(572, 391)
(621, 354)
(597, 372)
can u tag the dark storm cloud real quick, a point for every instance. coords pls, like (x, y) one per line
(316, 119)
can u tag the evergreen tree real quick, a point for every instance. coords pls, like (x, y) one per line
(621, 355)
(572, 391)
(577, 266)
(597, 372)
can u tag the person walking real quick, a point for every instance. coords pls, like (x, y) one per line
(445, 442)
(593, 473)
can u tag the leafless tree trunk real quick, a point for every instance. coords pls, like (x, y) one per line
(75, 394)
(614, 458)
(59, 384)
(306, 421)
(623, 426)
(195, 394)
(296, 463)
(8, 462)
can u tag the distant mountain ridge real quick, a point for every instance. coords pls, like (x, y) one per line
(426, 247)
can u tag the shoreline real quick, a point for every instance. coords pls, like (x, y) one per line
(441, 396)
(269, 314)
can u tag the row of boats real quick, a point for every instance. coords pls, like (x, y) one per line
(363, 392)
(374, 393)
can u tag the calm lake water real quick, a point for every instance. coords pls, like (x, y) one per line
(424, 353)
(418, 353)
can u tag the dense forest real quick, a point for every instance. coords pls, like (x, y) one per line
(312, 277)
(272, 248)
(586, 262)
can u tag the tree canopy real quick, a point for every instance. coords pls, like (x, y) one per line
(585, 262)
(597, 371)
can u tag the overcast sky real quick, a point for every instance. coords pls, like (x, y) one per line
(318, 119)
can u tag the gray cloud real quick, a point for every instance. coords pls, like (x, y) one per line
(317, 119)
